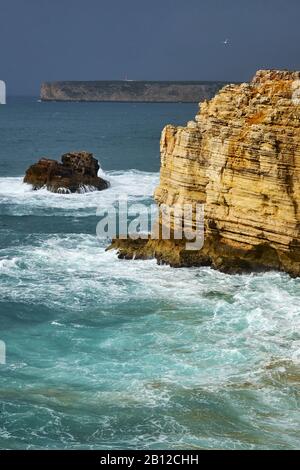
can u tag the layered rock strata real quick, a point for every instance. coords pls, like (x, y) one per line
(77, 172)
(240, 157)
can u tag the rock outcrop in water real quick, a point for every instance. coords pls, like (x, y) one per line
(78, 172)
(130, 91)
(241, 158)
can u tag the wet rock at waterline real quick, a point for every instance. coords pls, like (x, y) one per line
(77, 172)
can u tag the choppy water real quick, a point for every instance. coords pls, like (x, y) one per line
(110, 354)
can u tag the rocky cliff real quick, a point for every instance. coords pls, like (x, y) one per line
(129, 91)
(241, 158)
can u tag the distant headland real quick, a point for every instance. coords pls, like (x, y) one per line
(131, 91)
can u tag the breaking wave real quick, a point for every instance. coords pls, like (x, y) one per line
(105, 353)
(18, 198)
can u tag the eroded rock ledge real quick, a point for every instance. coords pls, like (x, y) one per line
(241, 158)
(77, 172)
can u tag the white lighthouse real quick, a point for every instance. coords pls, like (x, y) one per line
(2, 92)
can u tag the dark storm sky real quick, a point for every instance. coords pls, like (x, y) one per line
(147, 39)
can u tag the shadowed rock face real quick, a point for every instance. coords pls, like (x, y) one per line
(240, 157)
(77, 173)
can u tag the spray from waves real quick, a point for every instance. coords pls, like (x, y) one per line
(17, 198)
(175, 341)
(182, 353)
(191, 348)
(239, 313)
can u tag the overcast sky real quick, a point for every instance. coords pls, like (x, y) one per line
(44, 40)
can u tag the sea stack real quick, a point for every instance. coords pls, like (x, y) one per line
(240, 157)
(77, 172)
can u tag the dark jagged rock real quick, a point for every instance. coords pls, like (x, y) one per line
(78, 172)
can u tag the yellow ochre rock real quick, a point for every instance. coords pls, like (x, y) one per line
(241, 159)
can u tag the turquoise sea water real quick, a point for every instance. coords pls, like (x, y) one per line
(110, 354)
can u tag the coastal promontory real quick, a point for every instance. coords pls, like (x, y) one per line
(240, 157)
(130, 91)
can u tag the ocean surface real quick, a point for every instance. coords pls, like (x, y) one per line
(110, 354)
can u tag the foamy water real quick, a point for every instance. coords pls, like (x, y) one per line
(105, 353)
(18, 198)
(143, 355)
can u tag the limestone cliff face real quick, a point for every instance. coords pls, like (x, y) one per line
(241, 158)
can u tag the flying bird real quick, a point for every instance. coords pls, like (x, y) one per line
(226, 42)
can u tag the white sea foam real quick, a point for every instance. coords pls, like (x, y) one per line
(141, 336)
(243, 315)
(201, 344)
(18, 198)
